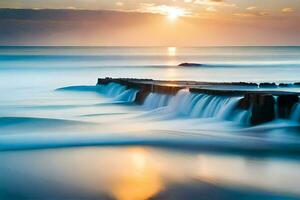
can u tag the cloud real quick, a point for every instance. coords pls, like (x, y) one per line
(211, 9)
(251, 14)
(215, 3)
(71, 8)
(119, 3)
(252, 11)
(104, 27)
(287, 10)
(162, 9)
(251, 8)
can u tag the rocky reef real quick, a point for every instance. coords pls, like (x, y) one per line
(263, 105)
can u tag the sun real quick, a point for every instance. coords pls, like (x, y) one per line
(171, 12)
(172, 51)
(174, 12)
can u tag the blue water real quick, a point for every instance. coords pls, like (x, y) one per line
(53, 118)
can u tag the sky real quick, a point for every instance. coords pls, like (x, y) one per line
(150, 23)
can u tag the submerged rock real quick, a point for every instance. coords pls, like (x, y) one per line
(190, 65)
(272, 85)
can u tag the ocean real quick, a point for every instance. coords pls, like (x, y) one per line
(63, 137)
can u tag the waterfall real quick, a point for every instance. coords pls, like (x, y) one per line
(127, 96)
(186, 104)
(295, 115)
(155, 100)
(118, 92)
(112, 89)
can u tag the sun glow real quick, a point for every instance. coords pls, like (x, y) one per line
(139, 177)
(172, 51)
(174, 12)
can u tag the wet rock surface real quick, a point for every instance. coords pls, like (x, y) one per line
(285, 104)
(264, 106)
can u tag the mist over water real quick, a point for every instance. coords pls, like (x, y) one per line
(53, 117)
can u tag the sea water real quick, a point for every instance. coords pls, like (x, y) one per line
(63, 137)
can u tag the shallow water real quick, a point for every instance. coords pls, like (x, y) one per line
(187, 146)
(144, 173)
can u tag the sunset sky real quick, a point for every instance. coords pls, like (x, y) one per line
(150, 23)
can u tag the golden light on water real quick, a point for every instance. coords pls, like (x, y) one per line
(171, 72)
(140, 180)
(172, 51)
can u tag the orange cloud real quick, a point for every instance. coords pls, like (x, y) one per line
(251, 8)
(211, 9)
(252, 14)
(287, 10)
(119, 3)
(86, 27)
(162, 9)
(215, 3)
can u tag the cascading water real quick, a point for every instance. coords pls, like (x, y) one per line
(183, 104)
(127, 96)
(118, 92)
(155, 100)
(295, 115)
(112, 89)
(186, 104)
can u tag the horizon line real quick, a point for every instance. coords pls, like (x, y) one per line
(126, 46)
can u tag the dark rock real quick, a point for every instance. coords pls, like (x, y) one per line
(243, 84)
(244, 103)
(285, 85)
(190, 65)
(297, 83)
(141, 96)
(268, 85)
(104, 81)
(217, 92)
(165, 89)
(285, 104)
(262, 107)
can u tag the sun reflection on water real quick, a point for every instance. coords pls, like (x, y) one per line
(139, 173)
(140, 179)
(172, 51)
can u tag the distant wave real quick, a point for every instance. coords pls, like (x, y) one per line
(102, 114)
(98, 61)
(78, 57)
(33, 121)
(122, 66)
(84, 88)
(253, 64)
(162, 139)
(118, 92)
